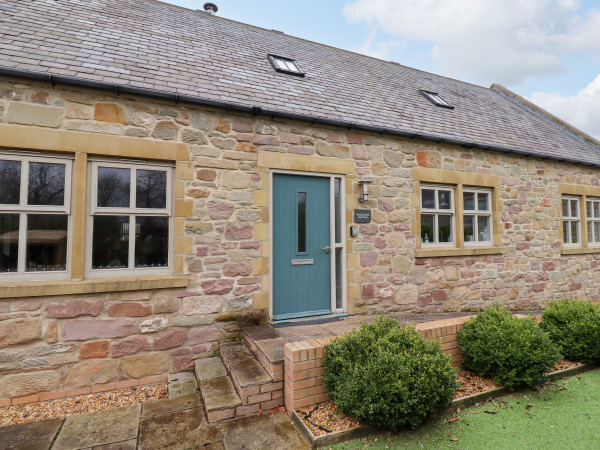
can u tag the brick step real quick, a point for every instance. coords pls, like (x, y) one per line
(267, 345)
(220, 397)
(257, 390)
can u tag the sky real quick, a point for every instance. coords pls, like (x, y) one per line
(547, 51)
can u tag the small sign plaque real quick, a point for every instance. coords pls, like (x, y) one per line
(362, 216)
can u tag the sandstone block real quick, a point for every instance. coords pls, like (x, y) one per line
(165, 302)
(242, 126)
(193, 306)
(393, 158)
(216, 287)
(220, 210)
(19, 331)
(194, 137)
(359, 152)
(144, 365)
(165, 130)
(41, 116)
(129, 310)
(92, 372)
(206, 174)
(144, 120)
(74, 308)
(223, 126)
(301, 149)
(238, 230)
(368, 259)
(429, 159)
(334, 151)
(204, 334)
(236, 180)
(85, 330)
(98, 349)
(153, 325)
(169, 339)
(237, 269)
(21, 384)
(401, 264)
(109, 112)
(266, 140)
(130, 346)
(51, 332)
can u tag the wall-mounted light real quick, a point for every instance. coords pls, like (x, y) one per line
(364, 196)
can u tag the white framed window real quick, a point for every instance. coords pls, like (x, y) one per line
(131, 220)
(35, 220)
(571, 221)
(477, 216)
(593, 220)
(437, 215)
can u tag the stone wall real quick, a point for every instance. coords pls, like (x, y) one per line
(222, 233)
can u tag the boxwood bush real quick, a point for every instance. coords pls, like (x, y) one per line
(514, 351)
(575, 326)
(387, 375)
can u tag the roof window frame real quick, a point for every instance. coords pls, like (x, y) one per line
(436, 99)
(273, 60)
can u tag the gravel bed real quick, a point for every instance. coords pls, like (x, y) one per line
(31, 412)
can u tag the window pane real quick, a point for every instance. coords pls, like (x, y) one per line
(427, 198)
(574, 233)
(151, 189)
(427, 228)
(151, 241)
(46, 184)
(574, 212)
(589, 208)
(46, 242)
(444, 199)
(469, 201)
(281, 63)
(291, 66)
(566, 232)
(338, 209)
(10, 182)
(9, 242)
(482, 201)
(113, 187)
(597, 210)
(565, 207)
(469, 228)
(483, 228)
(110, 242)
(590, 231)
(596, 232)
(445, 228)
(301, 222)
(338, 278)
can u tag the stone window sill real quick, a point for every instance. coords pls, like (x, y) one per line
(450, 252)
(579, 250)
(68, 287)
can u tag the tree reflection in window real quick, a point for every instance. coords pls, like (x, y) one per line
(46, 184)
(113, 187)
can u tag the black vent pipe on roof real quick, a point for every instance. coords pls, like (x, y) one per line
(258, 110)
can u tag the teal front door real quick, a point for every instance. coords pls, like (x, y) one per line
(301, 241)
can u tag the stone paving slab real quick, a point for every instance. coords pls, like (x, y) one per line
(98, 428)
(234, 351)
(177, 430)
(262, 332)
(269, 431)
(131, 444)
(272, 349)
(182, 383)
(249, 372)
(219, 393)
(209, 368)
(168, 405)
(32, 435)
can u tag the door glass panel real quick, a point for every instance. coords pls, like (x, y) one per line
(444, 199)
(565, 207)
(113, 187)
(9, 242)
(483, 228)
(10, 182)
(469, 228)
(301, 222)
(151, 241)
(150, 189)
(482, 201)
(110, 242)
(469, 201)
(427, 228)
(444, 228)
(338, 278)
(337, 182)
(46, 184)
(46, 242)
(428, 198)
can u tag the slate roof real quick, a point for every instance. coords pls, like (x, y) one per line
(152, 45)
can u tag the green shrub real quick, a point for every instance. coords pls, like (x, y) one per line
(513, 351)
(387, 375)
(575, 326)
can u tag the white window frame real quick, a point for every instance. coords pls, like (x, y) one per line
(23, 209)
(476, 213)
(437, 212)
(569, 221)
(591, 219)
(132, 212)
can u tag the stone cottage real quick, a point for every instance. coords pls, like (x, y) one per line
(170, 176)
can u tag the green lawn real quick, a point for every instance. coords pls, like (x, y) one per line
(562, 415)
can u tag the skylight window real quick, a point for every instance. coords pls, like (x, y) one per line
(434, 98)
(285, 65)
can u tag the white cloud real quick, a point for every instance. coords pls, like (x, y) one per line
(581, 110)
(485, 41)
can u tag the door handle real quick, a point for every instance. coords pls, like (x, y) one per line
(327, 249)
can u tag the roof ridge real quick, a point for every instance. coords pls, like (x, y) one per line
(280, 33)
(547, 116)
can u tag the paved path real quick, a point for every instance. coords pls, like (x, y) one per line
(173, 423)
